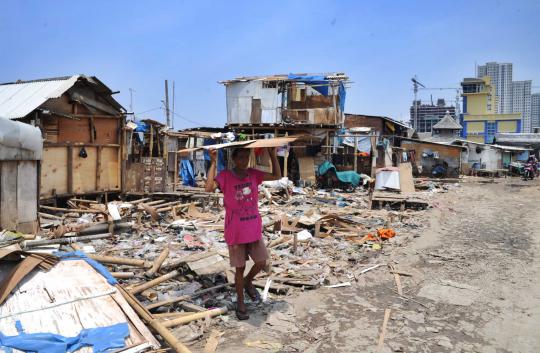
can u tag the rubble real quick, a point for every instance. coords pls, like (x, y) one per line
(171, 261)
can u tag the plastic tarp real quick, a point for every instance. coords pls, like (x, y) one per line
(363, 144)
(102, 339)
(79, 255)
(321, 85)
(349, 177)
(187, 173)
(19, 141)
(320, 82)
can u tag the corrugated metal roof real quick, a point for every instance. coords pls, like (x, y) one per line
(18, 99)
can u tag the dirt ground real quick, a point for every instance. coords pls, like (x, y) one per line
(474, 286)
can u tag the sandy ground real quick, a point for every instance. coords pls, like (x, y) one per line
(474, 286)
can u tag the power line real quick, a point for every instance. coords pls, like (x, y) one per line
(149, 110)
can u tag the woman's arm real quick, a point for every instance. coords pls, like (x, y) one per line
(276, 169)
(211, 184)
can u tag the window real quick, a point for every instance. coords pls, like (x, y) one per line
(491, 129)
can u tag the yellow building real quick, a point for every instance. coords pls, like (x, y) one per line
(479, 119)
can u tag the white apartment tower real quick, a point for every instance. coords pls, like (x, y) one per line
(535, 110)
(521, 102)
(501, 77)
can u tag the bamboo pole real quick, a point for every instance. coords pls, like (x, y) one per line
(76, 210)
(120, 261)
(123, 274)
(144, 286)
(167, 336)
(68, 240)
(196, 316)
(158, 262)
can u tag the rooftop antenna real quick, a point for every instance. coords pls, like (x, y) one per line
(415, 88)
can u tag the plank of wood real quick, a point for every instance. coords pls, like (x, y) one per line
(383, 330)
(213, 341)
(53, 179)
(406, 182)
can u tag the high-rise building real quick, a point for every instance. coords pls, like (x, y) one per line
(501, 78)
(535, 111)
(479, 120)
(521, 102)
(429, 114)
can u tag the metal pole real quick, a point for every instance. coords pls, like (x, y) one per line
(172, 105)
(167, 103)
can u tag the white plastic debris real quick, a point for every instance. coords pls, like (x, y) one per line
(304, 235)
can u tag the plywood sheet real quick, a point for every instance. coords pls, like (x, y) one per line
(53, 171)
(406, 181)
(106, 130)
(110, 171)
(71, 130)
(68, 298)
(306, 166)
(8, 195)
(84, 170)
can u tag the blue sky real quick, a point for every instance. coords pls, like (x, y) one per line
(379, 44)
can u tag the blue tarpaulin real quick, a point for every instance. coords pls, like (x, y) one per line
(79, 255)
(187, 173)
(321, 84)
(350, 177)
(102, 339)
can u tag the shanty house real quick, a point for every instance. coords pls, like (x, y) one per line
(81, 124)
(433, 158)
(294, 99)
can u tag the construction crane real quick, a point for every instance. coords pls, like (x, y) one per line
(415, 88)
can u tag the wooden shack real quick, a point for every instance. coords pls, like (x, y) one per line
(81, 124)
(20, 152)
(428, 155)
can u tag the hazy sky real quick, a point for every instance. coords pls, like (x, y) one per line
(379, 44)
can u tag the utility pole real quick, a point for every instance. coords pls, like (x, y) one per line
(172, 105)
(167, 103)
(131, 90)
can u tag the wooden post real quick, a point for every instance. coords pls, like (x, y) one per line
(151, 140)
(114, 260)
(354, 154)
(197, 316)
(158, 262)
(383, 330)
(98, 167)
(70, 169)
(144, 286)
(167, 336)
(92, 127)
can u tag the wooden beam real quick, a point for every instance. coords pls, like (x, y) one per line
(70, 169)
(92, 128)
(151, 140)
(98, 167)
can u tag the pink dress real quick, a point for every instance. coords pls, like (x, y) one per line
(243, 222)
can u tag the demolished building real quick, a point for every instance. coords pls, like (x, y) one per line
(82, 127)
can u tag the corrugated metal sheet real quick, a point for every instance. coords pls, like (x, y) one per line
(19, 99)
